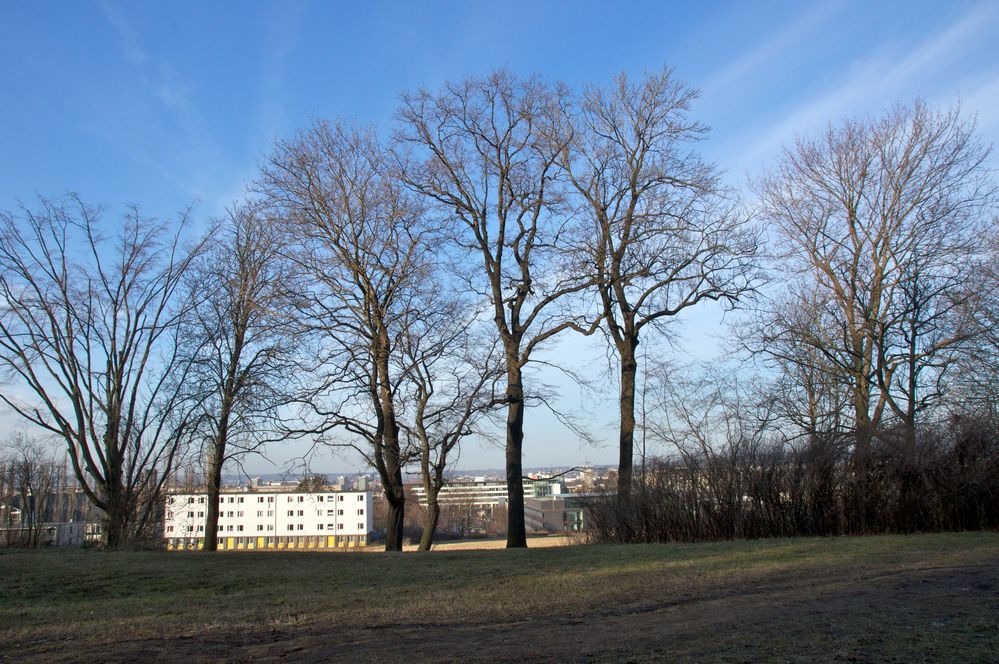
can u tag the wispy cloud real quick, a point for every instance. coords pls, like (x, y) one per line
(193, 160)
(127, 38)
(279, 41)
(778, 45)
(871, 79)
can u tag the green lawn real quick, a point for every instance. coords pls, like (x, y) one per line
(897, 598)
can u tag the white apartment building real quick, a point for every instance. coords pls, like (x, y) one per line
(271, 520)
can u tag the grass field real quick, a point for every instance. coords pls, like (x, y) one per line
(900, 599)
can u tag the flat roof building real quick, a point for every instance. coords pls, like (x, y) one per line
(249, 520)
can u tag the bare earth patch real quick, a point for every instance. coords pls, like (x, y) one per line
(486, 544)
(889, 599)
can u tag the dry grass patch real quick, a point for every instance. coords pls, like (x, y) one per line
(780, 596)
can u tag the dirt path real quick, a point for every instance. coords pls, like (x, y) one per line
(925, 614)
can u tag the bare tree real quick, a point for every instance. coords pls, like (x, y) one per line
(882, 220)
(808, 394)
(664, 235)
(240, 336)
(453, 387)
(490, 161)
(87, 329)
(364, 243)
(974, 389)
(31, 480)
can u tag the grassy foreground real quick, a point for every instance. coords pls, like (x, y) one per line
(911, 598)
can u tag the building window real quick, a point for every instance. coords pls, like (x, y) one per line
(340, 498)
(301, 512)
(339, 512)
(360, 512)
(260, 499)
(301, 499)
(190, 500)
(201, 514)
(330, 526)
(330, 512)
(220, 529)
(291, 527)
(291, 512)
(259, 527)
(319, 526)
(201, 500)
(319, 498)
(239, 513)
(270, 527)
(360, 526)
(201, 528)
(228, 529)
(270, 512)
(301, 526)
(230, 512)
(170, 500)
(361, 497)
(169, 529)
(260, 512)
(239, 528)
(270, 499)
(190, 515)
(241, 499)
(289, 499)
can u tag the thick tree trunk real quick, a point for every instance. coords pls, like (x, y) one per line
(396, 512)
(212, 508)
(629, 371)
(516, 531)
(115, 524)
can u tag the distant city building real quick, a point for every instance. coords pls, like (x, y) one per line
(485, 493)
(252, 520)
(361, 483)
(562, 513)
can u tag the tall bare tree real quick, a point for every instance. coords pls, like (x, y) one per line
(882, 219)
(665, 237)
(363, 242)
(490, 162)
(88, 335)
(240, 335)
(453, 371)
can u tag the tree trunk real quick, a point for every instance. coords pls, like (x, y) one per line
(115, 522)
(391, 452)
(629, 371)
(430, 524)
(516, 531)
(396, 511)
(212, 509)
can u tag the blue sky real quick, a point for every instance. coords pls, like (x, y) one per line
(165, 104)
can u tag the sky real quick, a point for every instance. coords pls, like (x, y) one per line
(166, 105)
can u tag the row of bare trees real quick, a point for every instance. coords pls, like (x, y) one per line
(392, 293)
(875, 411)
(731, 472)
